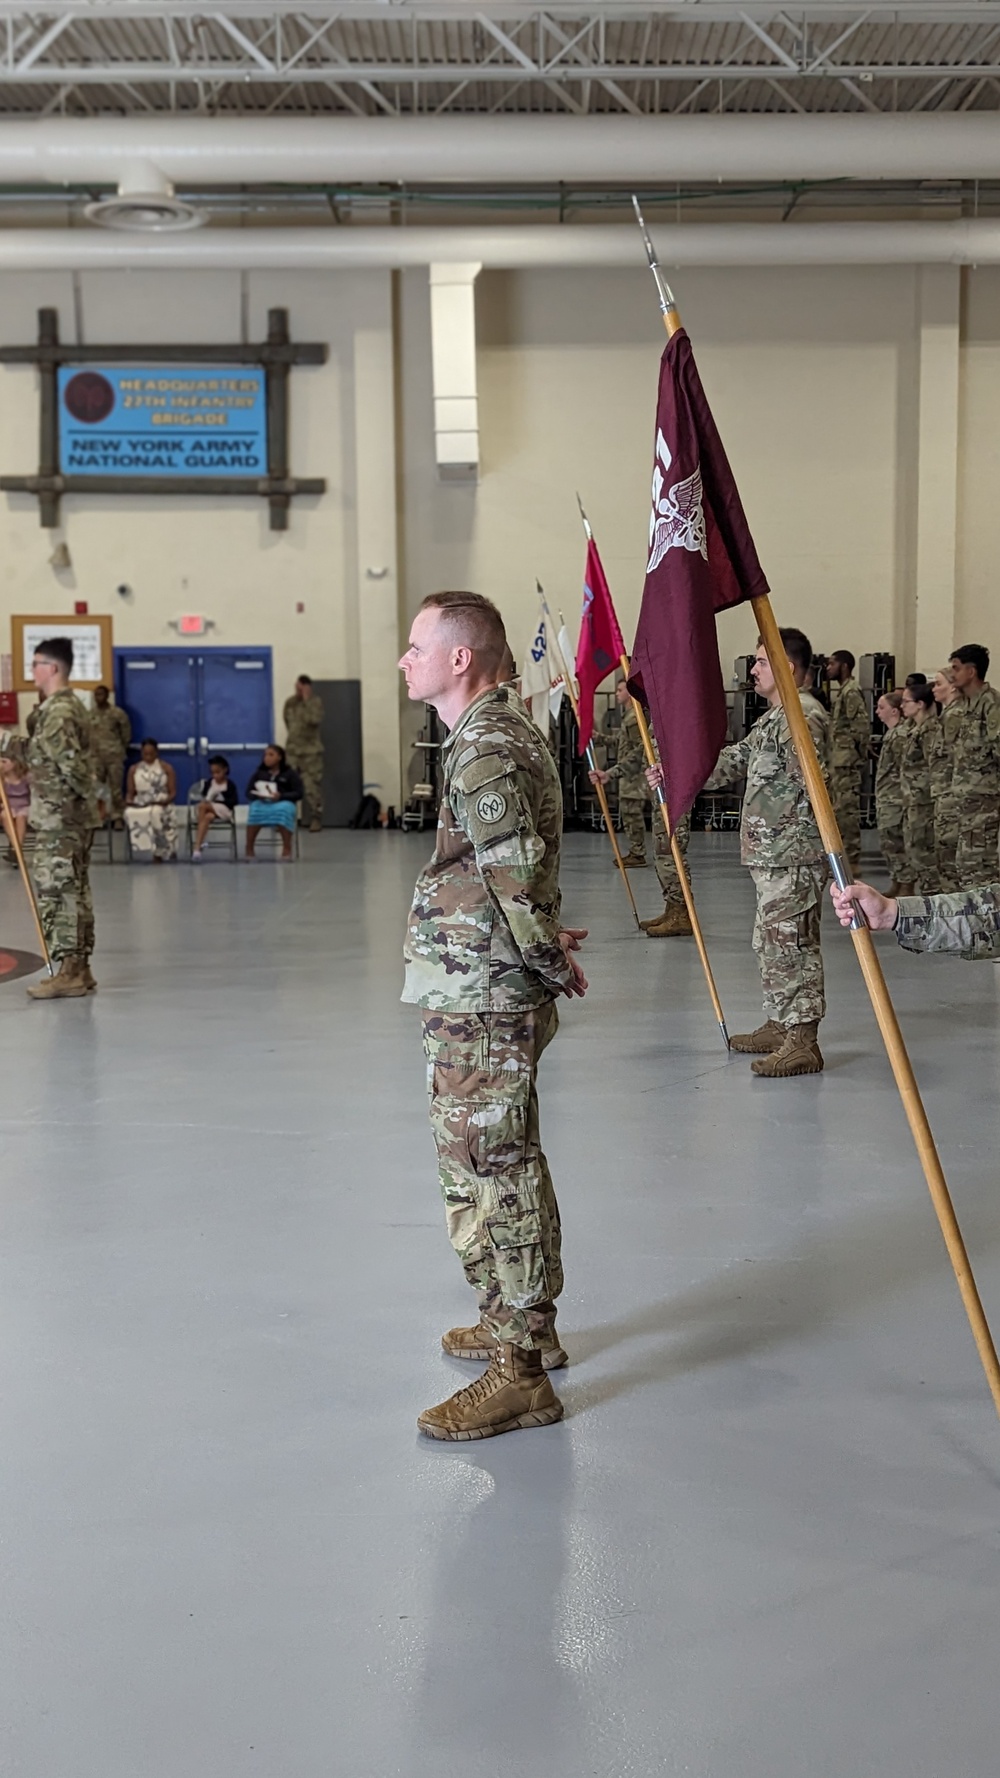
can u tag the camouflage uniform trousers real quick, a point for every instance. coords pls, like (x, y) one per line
(893, 848)
(109, 772)
(633, 801)
(503, 1220)
(309, 765)
(946, 832)
(663, 858)
(61, 873)
(786, 942)
(845, 793)
(920, 868)
(976, 854)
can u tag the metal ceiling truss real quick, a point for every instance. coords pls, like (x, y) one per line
(395, 56)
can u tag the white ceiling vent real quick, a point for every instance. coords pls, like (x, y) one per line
(145, 204)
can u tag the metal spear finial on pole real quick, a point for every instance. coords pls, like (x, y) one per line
(591, 757)
(871, 968)
(668, 307)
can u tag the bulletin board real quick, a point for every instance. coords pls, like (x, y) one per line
(93, 662)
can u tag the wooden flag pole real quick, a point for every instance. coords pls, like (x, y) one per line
(591, 759)
(871, 968)
(22, 867)
(675, 851)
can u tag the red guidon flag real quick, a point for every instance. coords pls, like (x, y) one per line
(701, 560)
(600, 647)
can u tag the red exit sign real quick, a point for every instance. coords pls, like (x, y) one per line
(192, 625)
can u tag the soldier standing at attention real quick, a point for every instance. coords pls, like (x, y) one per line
(921, 742)
(633, 795)
(888, 795)
(946, 814)
(110, 734)
(850, 733)
(57, 754)
(780, 842)
(304, 748)
(975, 784)
(486, 957)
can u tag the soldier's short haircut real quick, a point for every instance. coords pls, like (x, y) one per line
(58, 650)
(915, 679)
(303, 679)
(798, 647)
(845, 655)
(973, 655)
(474, 620)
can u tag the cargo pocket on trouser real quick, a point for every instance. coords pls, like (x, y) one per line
(519, 1258)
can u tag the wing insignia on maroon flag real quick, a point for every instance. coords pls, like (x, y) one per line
(677, 520)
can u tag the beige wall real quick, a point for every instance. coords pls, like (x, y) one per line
(816, 376)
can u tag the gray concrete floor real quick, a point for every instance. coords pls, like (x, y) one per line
(763, 1542)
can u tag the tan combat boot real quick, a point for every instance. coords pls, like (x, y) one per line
(514, 1392)
(478, 1342)
(88, 977)
(799, 1054)
(633, 861)
(767, 1038)
(672, 923)
(69, 984)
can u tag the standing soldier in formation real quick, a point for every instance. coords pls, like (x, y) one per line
(921, 744)
(110, 734)
(304, 749)
(629, 773)
(57, 754)
(850, 733)
(976, 772)
(946, 810)
(780, 842)
(888, 794)
(633, 796)
(486, 958)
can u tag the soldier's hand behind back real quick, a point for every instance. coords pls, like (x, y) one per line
(570, 940)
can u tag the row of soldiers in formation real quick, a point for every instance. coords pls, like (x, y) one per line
(937, 782)
(937, 786)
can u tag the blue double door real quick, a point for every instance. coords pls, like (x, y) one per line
(195, 702)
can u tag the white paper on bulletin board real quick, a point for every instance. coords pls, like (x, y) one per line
(92, 650)
(87, 651)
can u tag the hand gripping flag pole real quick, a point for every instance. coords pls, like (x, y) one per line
(22, 867)
(871, 969)
(591, 760)
(650, 752)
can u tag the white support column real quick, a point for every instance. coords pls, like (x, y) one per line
(937, 475)
(453, 360)
(378, 567)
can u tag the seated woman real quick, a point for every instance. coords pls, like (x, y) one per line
(273, 793)
(149, 815)
(218, 800)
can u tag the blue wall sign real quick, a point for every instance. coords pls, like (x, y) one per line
(209, 420)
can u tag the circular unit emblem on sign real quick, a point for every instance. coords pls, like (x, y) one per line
(491, 806)
(89, 397)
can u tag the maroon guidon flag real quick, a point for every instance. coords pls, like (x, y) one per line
(600, 647)
(701, 560)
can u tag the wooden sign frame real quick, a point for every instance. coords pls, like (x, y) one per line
(60, 625)
(278, 353)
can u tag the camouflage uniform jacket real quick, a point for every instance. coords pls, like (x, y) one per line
(631, 760)
(483, 932)
(110, 729)
(850, 729)
(921, 746)
(57, 755)
(966, 923)
(888, 793)
(977, 746)
(777, 827)
(304, 722)
(941, 754)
